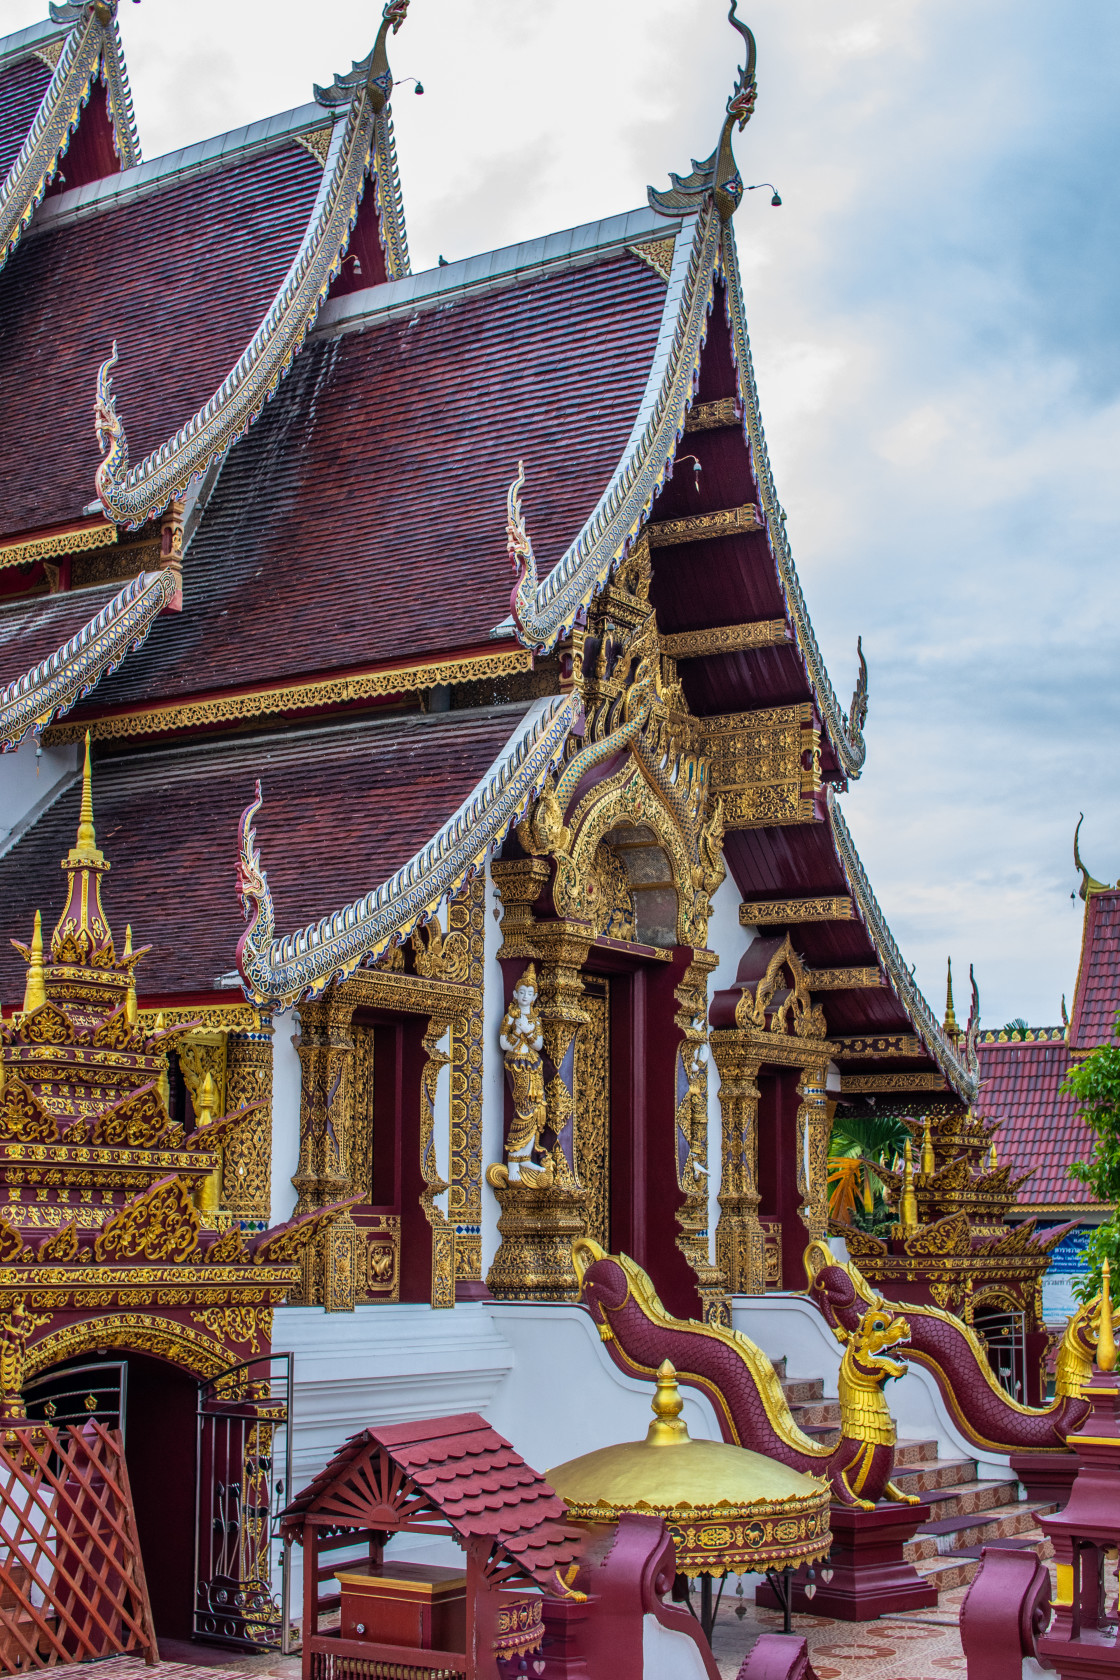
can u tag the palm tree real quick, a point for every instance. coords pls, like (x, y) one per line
(858, 1144)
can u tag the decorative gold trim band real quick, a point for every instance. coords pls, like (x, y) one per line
(727, 638)
(844, 979)
(787, 912)
(878, 1045)
(872, 1084)
(76, 539)
(1033, 1035)
(231, 708)
(710, 416)
(211, 1017)
(702, 527)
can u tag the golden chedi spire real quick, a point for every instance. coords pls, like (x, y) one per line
(82, 928)
(35, 991)
(951, 1028)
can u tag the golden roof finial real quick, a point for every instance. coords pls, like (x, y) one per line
(668, 1428)
(131, 1003)
(35, 992)
(207, 1101)
(929, 1160)
(908, 1209)
(951, 1028)
(1106, 1344)
(86, 849)
(993, 1158)
(1088, 885)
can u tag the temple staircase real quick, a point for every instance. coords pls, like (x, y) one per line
(966, 1513)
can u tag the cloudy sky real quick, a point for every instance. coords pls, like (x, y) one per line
(934, 325)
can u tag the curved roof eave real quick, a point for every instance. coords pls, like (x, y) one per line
(89, 45)
(278, 972)
(961, 1071)
(71, 672)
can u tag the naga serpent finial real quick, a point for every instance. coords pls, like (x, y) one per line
(857, 712)
(520, 548)
(717, 175)
(1088, 884)
(373, 71)
(111, 439)
(252, 885)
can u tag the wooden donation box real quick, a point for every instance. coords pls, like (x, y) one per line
(416, 1604)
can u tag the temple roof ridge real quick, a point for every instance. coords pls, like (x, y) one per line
(361, 140)
(960, 1070)
(280, 971)
(89, 46)
(184, 164)
(52, 686)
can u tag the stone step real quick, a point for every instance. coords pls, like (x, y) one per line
(929, 1475)
(821, 1414)
(1034, 1541)
(957, 1535)
(799, 1390)
(908, 1453)
(967, 1499)
(945, 1573)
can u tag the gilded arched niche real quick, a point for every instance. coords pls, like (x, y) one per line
(621, 832)
(163, 1338)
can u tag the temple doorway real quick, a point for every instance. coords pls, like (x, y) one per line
(155, 1404)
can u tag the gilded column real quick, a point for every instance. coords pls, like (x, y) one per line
(247, 1154)
(691, 1105)
(740, 1250)
(813, 1128)
(326, 1053)
(443, 1232)
(467, 915)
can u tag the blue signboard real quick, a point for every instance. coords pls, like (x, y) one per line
(1069, 1256)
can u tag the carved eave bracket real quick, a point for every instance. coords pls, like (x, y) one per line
(90, 47)
(362, 141)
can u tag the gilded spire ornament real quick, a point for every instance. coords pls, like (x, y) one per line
(82, 927)
(951, 1028)
(1106, 1343)
(35, 990)
(929, 1161)
(908, 1208)
(993, 1158)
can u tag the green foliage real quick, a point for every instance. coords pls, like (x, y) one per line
(869, 1138)
(1018, 1028)
(1095, 1084)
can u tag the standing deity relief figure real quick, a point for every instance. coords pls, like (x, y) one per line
(521, 1040)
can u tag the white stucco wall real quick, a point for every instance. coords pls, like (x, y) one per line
(729, 941)
(29, 784)
(285, 1114)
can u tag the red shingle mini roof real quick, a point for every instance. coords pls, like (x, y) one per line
(1019, 1084)
(22, 86)
(344, 808)
(1097, 998)
(471, 1475)
(364, 517)
(179, 277)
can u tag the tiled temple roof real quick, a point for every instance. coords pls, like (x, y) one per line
(1019, 1084)
(1096, 999)
(473, 1478)
(314, 552)
(178, 277)
(344, 807)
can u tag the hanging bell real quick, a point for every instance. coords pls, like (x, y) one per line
(740, 1608)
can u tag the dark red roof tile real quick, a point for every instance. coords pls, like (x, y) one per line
(1097, 998)
(363, 518)
(180, 278)
(344, 808)
(30, 631)
(22, 86)
(1019, 1084)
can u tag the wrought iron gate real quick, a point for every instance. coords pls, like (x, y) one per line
(76, 1393)
(243, 1482)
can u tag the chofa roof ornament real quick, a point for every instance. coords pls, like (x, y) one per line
(1088, 886)
(717, 175)
(373, 71)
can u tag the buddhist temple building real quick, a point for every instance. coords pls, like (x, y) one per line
(425, 656)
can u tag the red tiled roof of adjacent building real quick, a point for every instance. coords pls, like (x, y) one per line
(343, 808)
(1097, 997)
(32, 630)
(471, 1475)
(1020, 1085)
(364, 517)
(22, 86)
(179, 277)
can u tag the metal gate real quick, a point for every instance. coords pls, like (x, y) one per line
(243, 1481)
(76, 1393)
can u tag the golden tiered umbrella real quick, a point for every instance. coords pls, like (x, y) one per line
(727, 1509)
